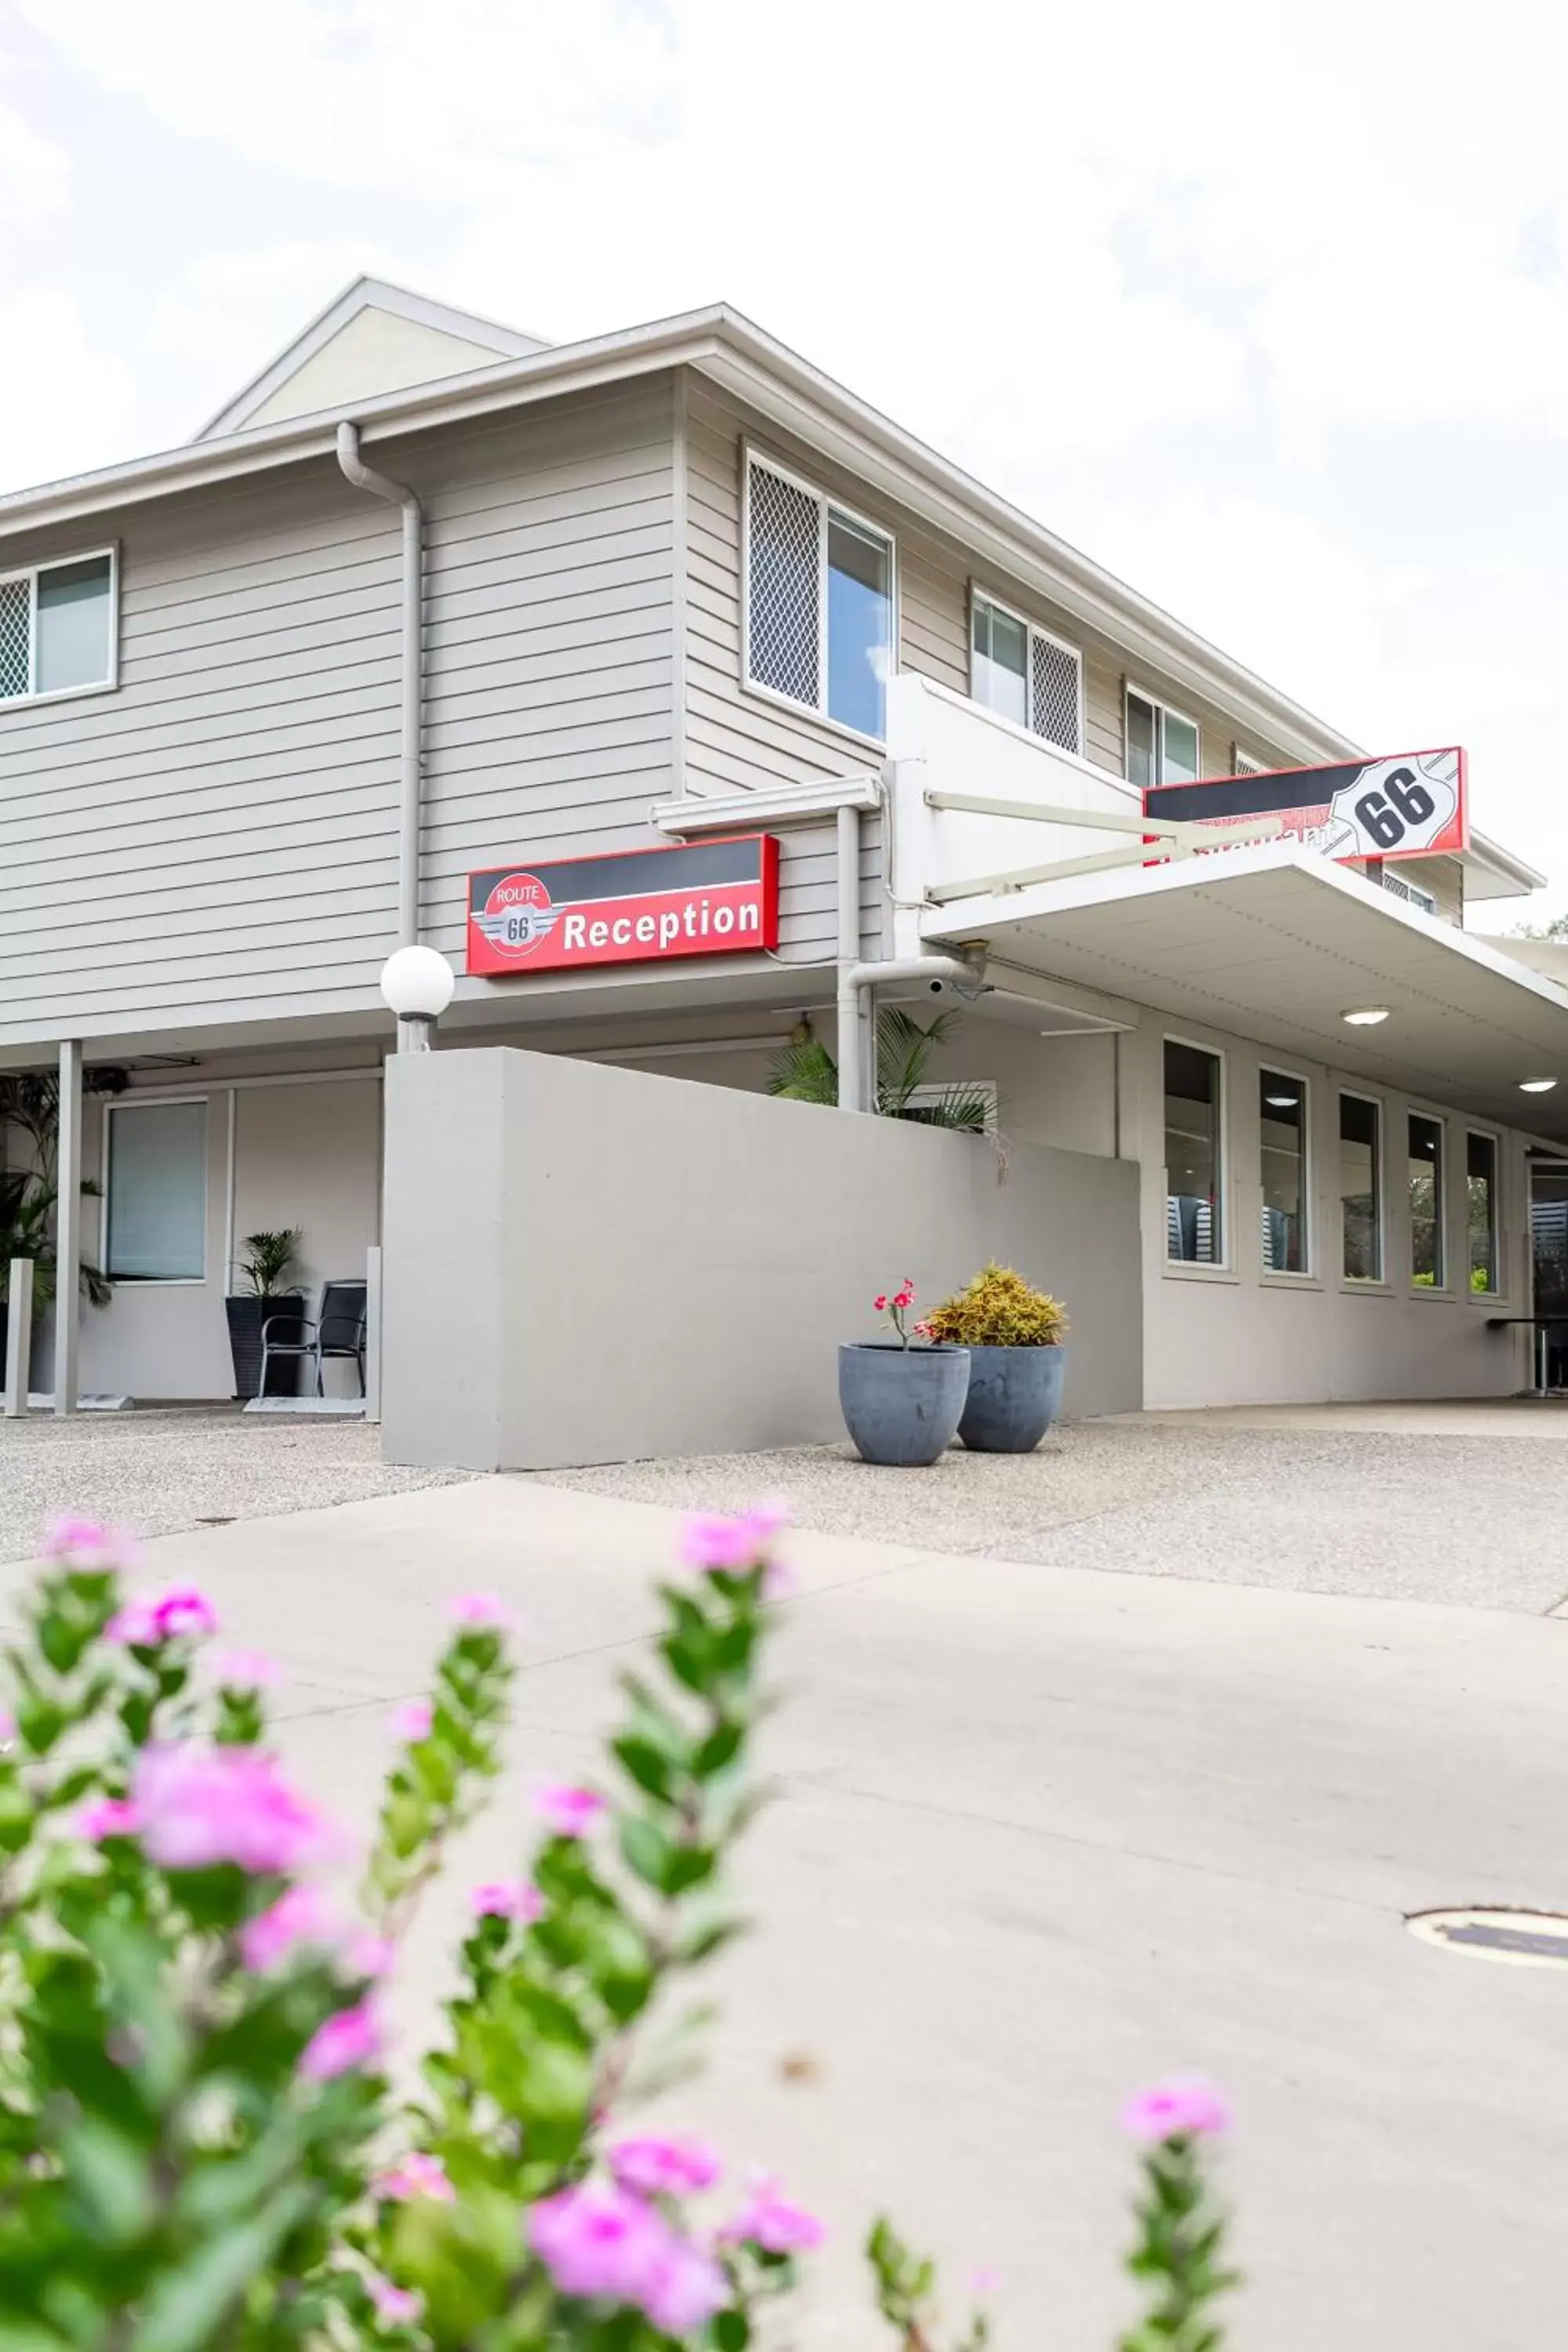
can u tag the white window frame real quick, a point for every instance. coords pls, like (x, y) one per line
(1499, 1257)
(158, 1101)
(826, 504)
(1444, 1289)
(1032, 629)
(1369, 1285)
(1197, 1269)
(30, 573)
(1308, 1271)
(1163, 710)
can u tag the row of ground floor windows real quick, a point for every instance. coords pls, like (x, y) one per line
(1196, 1171)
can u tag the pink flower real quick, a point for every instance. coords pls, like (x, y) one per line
(1183, 2106)
(880, 1302)
(367, 1954)
(921, 1330)
(108, 1817)
(684, 2287)
(304, 1914)
(148, 1619)
(664, 2167)
(777, 2227)
(599, 2241)
(89, 1543)
(519, 1901)
(567, 1812)
(245, 1670)
(481, 1609)
(353, 2037)
(7, 1728)
(710, 1540)
(983, 2283)
(416, 2176)
(201, 1805)
(398, 2306)
(905, 1297)
(413, 1721)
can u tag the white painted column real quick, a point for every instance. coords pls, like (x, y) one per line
(18, 1336)
(373, 1333)
(68, 1232)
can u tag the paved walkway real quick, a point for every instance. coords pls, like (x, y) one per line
(1466, 1504)
(1043, 1833)
(158, 1471)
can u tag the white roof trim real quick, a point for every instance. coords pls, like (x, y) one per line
(363, 294)
(723, 344)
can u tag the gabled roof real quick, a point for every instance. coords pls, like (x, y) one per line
(372, 338)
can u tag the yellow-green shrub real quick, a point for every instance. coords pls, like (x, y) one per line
(999, 1309)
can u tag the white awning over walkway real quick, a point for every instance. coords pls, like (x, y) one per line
(1276, 943)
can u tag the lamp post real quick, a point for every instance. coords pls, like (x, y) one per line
(417, 984)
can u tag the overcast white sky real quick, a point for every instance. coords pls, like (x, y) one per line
(1264, 308)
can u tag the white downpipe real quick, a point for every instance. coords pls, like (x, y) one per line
(851, 1051)
(857, 991)
(380, 486)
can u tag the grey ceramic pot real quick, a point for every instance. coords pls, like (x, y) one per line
(1015, 1394)
(902, 1405)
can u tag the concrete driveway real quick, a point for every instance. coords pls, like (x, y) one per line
(1042, 1833)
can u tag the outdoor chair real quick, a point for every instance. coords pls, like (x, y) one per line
(335, 1336)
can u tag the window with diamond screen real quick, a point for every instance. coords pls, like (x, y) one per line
(1053, 691)
(15, 637)
(57, 628)
(783, 616)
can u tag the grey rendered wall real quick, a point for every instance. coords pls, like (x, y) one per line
(587, 1264)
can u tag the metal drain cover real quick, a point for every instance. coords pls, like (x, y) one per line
(1523, 1940)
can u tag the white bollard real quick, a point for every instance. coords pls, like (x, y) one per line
(18, 1335)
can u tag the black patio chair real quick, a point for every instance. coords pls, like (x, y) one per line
(335, 1336)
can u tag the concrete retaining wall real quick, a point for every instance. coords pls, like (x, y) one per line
(587, 1264)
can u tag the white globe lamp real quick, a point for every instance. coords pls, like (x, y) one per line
(418, 986)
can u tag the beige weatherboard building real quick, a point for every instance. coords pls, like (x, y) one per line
(432, 598)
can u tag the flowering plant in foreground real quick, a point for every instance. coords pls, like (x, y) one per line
(199, 2143)
(895, 1305)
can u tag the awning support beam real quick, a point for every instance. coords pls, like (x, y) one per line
(1184, 840)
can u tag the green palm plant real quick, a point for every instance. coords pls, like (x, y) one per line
(28, 1230)
(803, 1070)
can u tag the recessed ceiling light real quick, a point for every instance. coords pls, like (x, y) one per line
(1365, 1016)
(1536, 1085)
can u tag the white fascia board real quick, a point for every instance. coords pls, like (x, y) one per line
(743, 811)
(766, 375)
(1513, 877)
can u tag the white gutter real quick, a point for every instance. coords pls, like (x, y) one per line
(727, 346)
(409, 796)
(856, 986)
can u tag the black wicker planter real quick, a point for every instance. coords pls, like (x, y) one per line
(245, 1318)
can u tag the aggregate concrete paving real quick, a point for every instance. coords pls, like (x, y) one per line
(1467, 1505)
(159, 1470)
(1040, 1834)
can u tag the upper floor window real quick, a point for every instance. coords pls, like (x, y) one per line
(1162, 745)
(819, 601)
(1025, 675)
(57, 628)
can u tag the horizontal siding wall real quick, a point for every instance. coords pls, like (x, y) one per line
(548, 621)
(214, 838)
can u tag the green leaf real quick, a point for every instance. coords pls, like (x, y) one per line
(187, 2305)
(110, 2176)
(647, 1852)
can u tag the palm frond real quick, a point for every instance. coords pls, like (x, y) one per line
(904, 1049)
(804, 1070)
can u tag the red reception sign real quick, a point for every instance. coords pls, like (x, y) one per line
(1403, 805)
(636, 906)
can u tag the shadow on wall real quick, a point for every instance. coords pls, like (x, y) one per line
(588, 1264)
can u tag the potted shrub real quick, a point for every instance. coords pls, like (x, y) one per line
(28, 1230)
(1013, 1335)
(902, 1403)
(266, 1292)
